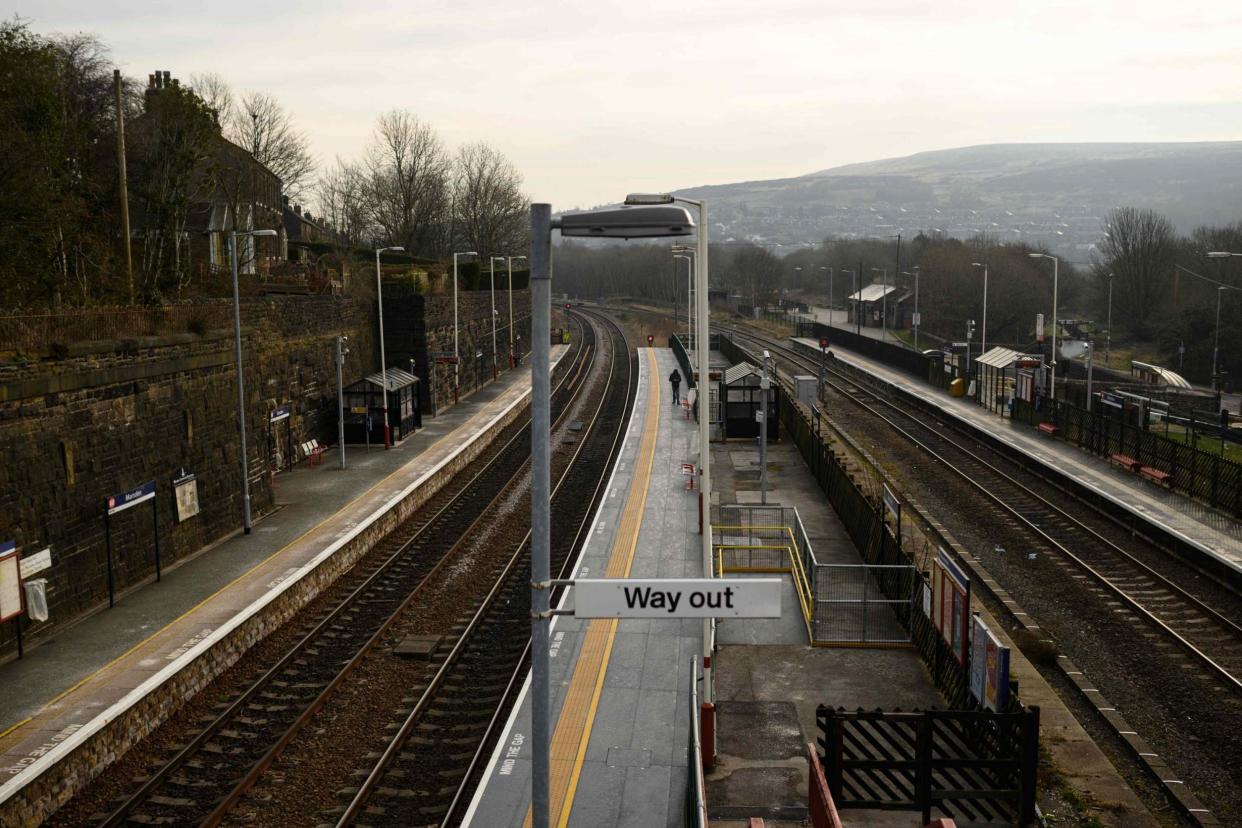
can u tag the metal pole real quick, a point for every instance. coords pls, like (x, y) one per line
(1108, 341)
(919, 323)
(491, 267)
(540, 505)
(1216, 343)
(379, 293)
(511, 361)
(830, 296)
(1090, 359)
(1055, 282)
(456, 349)
(340, 398)
(703, 390)
(155, 532)
(983, 334)
(241, 390)
(896, 276)
(764, 385)
(122, 179)
(108, 545)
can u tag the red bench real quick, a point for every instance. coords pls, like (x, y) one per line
(1049, 428)
(1127, 461)
(1156, 476)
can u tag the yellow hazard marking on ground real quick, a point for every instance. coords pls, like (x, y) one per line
(577, 717)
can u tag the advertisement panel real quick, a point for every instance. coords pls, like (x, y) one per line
(11, 598)
(185, 489)
(989, 669)
(952, 604)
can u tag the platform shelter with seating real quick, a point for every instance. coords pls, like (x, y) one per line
(364, 408)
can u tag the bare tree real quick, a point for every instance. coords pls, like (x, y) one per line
(1139, 249)
(488, 206)
(408, 175)
(341, 199)
(260, 125)
(214, 91)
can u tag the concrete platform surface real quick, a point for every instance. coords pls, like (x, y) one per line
(620, 689)
(1212, 532)
(73, 679)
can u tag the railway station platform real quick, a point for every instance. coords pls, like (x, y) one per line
(620, 700)
(1213, 534)
(75, 682)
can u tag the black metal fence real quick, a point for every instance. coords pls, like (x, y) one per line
(683, 359)
(1201, 474)
(974, 765)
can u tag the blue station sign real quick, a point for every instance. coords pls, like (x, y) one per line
(279, 414)
(122, 501)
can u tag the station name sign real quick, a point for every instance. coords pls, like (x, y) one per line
(677, 598)
(124, 500)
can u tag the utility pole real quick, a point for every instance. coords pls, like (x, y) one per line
(1108, 341)
(1090, 360)
(765, 383)
(341, 351)
(123, 183)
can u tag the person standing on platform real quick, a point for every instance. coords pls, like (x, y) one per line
(674, 379)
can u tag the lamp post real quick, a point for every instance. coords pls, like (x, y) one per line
(854, 297)
(241, 389)
(512, 352)
(456, 347)
(491, 267)
(983, 333)
(339, 359)
(702, 386)
(1220, 290)
(379, 293)
(883, 302)
(688, 253)
(1108, 338)
(918, 319)
(829, 269)
(646, 222)
(1055, 269)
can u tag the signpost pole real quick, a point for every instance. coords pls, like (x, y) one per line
(108, 543)
(155, 529)
(18, 624)
(540, 503)
(340, 399)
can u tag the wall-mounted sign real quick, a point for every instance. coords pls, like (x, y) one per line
(891, 503)
(185, 490)
(122, 501)
(36, 563)
(278, 414)
(677, 598)
(1112, 400)
(11, 598)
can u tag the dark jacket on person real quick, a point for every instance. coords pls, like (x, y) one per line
(675, 377)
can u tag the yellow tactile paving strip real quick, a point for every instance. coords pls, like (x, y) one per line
(573, 727)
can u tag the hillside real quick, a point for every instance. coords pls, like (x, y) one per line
(1054, 194)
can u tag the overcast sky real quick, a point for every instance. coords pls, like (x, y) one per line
(594, 99)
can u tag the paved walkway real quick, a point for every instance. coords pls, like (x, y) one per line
(1211, 532)
(73, 675)
(620, 703)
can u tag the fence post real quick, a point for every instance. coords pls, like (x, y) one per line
(1030, 765)
(923, 762)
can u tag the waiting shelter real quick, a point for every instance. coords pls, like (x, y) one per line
(998, 375)
(364, 407)
(870, 304)
(743, 396)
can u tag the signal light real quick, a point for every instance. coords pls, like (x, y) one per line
(650, 339)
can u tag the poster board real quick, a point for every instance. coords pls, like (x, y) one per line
(951, 605)
(185, 490)
(989, 669)
(12, 598)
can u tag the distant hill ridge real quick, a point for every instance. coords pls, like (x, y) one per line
(1048, 192)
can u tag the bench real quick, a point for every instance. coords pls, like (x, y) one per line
(1125, 460)
(1049, 428)
(313, 451)
(1156, 476)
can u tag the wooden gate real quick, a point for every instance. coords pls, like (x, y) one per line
(974, 765)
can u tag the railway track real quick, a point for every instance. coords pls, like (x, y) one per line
(426, 771)
(1067, 531)
(205, 777)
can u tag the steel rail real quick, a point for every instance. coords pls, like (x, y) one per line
(121, 813)
(1161, 581)
(414, 717)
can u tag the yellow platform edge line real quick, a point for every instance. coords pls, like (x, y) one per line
(628, 530)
